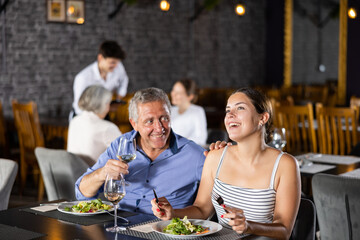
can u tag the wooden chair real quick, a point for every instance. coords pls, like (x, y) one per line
(355, 102)
(30, 136)
(299, 124)
(337, 129)
(316, 93)
(120, 116)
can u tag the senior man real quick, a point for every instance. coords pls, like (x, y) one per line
(165, 161)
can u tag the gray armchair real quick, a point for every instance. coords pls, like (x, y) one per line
(8, 172)
(60, 170)
(337, 201)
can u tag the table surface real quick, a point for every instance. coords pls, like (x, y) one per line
(316, 168)
(56, 229)
(354, 173)
(330, 159)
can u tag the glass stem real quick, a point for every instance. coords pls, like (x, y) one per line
(115, 221)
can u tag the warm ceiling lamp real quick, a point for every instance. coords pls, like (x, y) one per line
(80, 20)
(240, 9)
(352, 13)
(71, 10)
(164, 5)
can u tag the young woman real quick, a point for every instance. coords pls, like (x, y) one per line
(259, 185)
(187, 119)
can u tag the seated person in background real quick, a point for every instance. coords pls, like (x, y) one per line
(164, 160)
(259, 185)
(89, 134)
(187, 119)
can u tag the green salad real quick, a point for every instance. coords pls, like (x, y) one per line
(89, 207)
(183, 227)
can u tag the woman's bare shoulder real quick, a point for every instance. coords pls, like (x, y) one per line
(286, 158)
(214, 156)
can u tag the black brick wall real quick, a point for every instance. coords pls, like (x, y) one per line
(219, 49)
(305, 44)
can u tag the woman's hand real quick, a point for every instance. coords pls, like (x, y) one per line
(163, 209)
(237, 219)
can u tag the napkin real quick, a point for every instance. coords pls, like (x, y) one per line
(45, 208)
(144, 228)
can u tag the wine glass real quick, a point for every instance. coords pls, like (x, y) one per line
(278, 138)
(114, 191)
(126, 151)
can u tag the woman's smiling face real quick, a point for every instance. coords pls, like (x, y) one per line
(241, 118)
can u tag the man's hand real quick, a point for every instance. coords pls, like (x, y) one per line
(114, 167)
(217, 145)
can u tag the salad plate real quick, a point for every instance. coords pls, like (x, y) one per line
(64, 208)
(212, 227)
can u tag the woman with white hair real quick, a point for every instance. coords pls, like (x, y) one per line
(89, 134)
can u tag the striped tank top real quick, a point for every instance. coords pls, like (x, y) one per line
(257, 204)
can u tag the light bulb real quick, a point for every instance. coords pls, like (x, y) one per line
(352, 13)
(240, 9)
(164, 5)
(71, 10)
(80, 20)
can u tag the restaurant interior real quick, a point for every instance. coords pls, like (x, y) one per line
(302, 54)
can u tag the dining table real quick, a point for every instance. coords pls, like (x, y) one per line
(354, 173)
(46, 222)
(314, 163)
(342, 163)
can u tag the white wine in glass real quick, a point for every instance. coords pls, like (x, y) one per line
(114, 191)
(279, 138)
(126, 151)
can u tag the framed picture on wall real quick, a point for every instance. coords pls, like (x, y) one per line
(55, 10)
(75, 11)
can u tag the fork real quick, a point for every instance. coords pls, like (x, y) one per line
(219, 200)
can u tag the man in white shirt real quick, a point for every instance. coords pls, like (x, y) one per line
(107, 71)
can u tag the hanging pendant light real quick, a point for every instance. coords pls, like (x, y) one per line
(164, 5)
(352, 13)
(240, 9)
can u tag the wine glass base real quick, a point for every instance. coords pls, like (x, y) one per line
(115, 229)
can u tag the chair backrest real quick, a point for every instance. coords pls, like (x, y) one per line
(305, 223)
(28, 125)
(337, 201)
(316, 93)
(298, 122)
(60, 170)
(337, 129)
(355, 102)
(8, 172)
(121, 116)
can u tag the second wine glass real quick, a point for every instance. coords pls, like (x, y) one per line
(114, 191)
(278, 138)
(126, 151)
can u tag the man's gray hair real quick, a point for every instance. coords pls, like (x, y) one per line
(145, 96)
(94, 99)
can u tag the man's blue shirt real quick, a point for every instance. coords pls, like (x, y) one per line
(174, 174)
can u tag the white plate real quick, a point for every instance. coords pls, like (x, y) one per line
(213, 228)
(62, 206)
